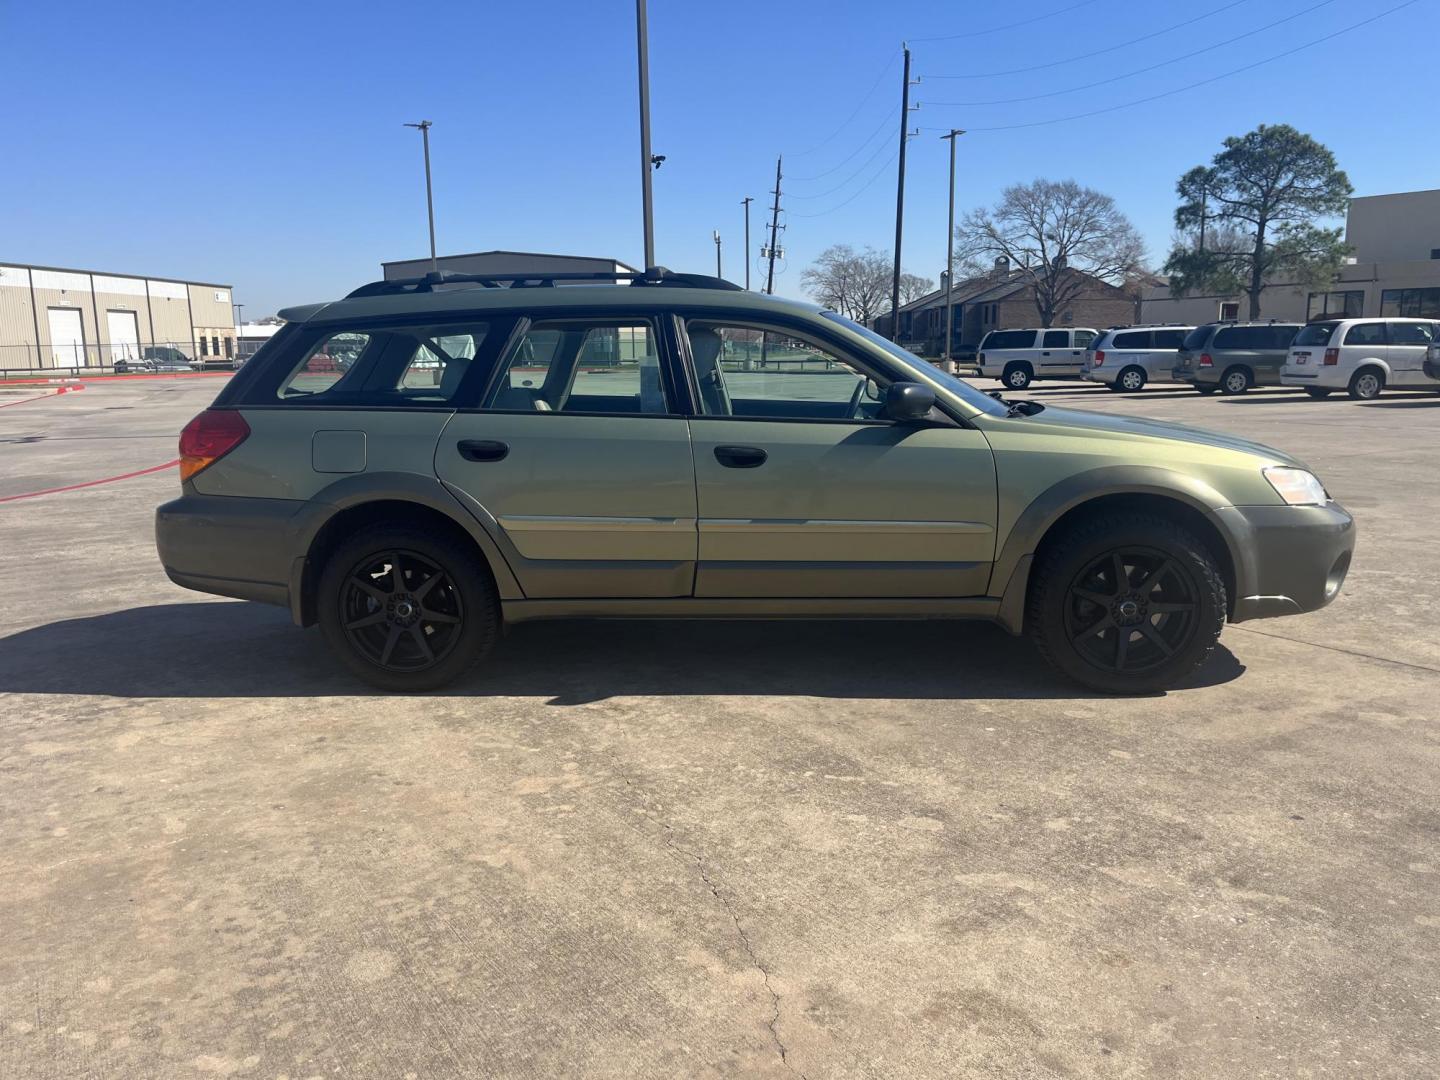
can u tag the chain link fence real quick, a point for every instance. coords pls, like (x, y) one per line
(76, 358)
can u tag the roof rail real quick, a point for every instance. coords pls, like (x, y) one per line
(656, 275)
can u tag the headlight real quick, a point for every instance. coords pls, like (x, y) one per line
(1296, 486)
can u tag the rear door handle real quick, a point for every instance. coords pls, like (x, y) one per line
(482, 449)
(740, 457)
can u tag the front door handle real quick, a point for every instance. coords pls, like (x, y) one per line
(482, 449)
(1044, 354)
(740, 457)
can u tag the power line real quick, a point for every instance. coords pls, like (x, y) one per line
(1187, 55)
(1198, 83)
(1080, 57)
(878, 80)
(881, 171)
(884, 123)
(845, 183)
(1009, 26)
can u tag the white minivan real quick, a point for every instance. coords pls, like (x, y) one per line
(1361, 356)
(1017, 356)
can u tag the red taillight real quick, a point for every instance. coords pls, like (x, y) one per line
(1332, 357)
(1205, 360)
(1099, 357)
(208, 438)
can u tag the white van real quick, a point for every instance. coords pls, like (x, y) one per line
(1361, 356)
(1125, 359)
(1017, 356)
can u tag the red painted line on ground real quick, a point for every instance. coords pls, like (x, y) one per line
(92, 483)
(23, 400)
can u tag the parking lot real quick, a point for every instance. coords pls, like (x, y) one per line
(708, 849)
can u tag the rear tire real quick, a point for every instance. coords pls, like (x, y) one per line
(1319, 391)
(1017, 376)
(1366, 384)
(406, 610)
(1236, 380)
(1125, 603)
(1131, 379)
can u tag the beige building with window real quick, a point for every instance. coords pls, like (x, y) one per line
(1394, 270)
(59, 319)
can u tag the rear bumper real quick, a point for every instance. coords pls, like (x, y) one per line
(1293, 558)
(1314, 375)
(229, 546)
(1202, 376)
(1105, 374)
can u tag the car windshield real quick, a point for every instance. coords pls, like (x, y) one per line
(962, 389)
(1315, 334)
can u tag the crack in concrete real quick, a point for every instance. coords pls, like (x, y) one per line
(773, 1024)
(1339, 649)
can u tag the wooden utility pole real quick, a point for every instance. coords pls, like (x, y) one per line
(900, 198)
(774, 230)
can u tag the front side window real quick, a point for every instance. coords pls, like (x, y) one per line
(774, 374)
(1056, 339)
(1083, 338)
(1412, 333)
(582, 366)
(1366, 334)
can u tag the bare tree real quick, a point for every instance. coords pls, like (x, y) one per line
(913, 286)
(1058, 236)
(857, 283)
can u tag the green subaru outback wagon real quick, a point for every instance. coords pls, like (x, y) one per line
(424, 461)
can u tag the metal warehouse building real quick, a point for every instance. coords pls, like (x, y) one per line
(57, 319)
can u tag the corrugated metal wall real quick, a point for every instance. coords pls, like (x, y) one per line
(18, 348)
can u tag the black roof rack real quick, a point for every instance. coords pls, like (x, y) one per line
(656, 275)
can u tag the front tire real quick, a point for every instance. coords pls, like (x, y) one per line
(1131, 379)
(1126, 603)
(1236, 381)
(406, 610)
(1016, 376)
(1366, 384)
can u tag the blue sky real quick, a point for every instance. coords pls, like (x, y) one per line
(261, 143)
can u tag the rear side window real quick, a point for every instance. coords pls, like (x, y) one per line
(1244, 337)
(1196, 338)
(588, 366)
(1169, 339)
(1009, 339)
(1056, 339)
(410, 365)
(1315, 334)
(1371, 333)
(1135, 339)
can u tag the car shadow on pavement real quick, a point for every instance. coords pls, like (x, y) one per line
(222, 650)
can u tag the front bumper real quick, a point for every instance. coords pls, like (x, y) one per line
(1292, 559)
(229, 546)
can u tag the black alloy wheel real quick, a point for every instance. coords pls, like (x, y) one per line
(1130, 610)
(400, 611)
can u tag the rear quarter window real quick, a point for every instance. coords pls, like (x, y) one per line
(1197, 337)
(1315, 334)
(1009, 339)
(1135, 339)
(394, 365)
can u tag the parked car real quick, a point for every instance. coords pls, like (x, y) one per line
(1015, 357)
(1232, 357)
(1126, 358)
(154, 358)
(1361, 356)
(411, 519)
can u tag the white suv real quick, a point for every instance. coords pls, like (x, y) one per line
(1361, 356)
(1017, 356)
(1127, 358)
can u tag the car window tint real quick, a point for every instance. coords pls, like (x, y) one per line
(773, 374)
(328, 363)
(1168, 339)
(582, 366)
(1366, 334)
(1083, 338)
(1315, 334)
(1009, 339)
(1411, 333)
(1196, 338)
(1135, 339)
(1056, 339)
(1281, 336)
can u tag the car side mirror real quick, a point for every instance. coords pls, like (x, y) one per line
(908, 401)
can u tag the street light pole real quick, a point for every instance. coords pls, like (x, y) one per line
(646, 159)
(950, 255)
(745, 202)
(424, 126)
(239, 325)
(718, 272)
